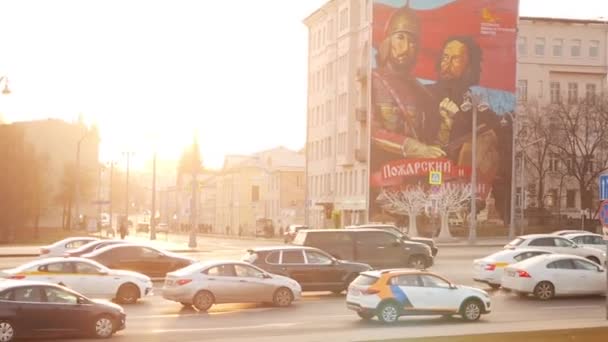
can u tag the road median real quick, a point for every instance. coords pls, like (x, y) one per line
(562, 335)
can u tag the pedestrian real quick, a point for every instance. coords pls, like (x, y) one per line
(227, 230)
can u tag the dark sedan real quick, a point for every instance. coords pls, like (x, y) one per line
(153, 262)
(311, 267)
(400, 234)
(91, 246)
(36, 309)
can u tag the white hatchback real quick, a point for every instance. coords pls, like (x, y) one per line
(489, 270)
(557, 244)
(550, 275)
(60, 247)
(590, 240)
(88, 277)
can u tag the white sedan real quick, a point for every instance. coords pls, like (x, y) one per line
(88, 277)
(489, 270)
(590, 240)
(60, 247)
(550, 275)
(557, 244)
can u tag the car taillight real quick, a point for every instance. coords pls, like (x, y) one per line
(17, 276)
(523, 274)
(183, 281)
(44, 251)
(370, 291)
(490, 267)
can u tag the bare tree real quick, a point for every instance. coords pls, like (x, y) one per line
(448, 199)
(534, 143)
(579, 134)
(410, 202)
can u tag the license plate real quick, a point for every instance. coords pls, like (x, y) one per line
(511, 273)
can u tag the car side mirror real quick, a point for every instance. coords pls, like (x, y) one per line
(81, 300)
(574, 246)
(397, 243)
(453, 287)
(600, 269)
(103, 272)
(266, 276)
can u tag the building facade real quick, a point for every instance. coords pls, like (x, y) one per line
(556, 58)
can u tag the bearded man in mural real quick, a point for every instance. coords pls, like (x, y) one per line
(400, 122)
(459, 69)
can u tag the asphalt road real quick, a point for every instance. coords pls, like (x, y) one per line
(323, 316)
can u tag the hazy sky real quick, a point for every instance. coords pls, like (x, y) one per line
(233, 71)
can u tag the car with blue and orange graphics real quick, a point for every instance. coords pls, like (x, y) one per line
(391, 293)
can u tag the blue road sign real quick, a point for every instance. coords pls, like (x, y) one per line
(604, 213)
(603, 187)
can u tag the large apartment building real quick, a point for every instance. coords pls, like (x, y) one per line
(556, 58)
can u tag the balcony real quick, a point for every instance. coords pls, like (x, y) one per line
(361, 155)
(361, 75)
(361, 114)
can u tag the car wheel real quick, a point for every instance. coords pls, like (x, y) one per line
(7, 331)
(388, 313)
(203, 300)
(282, 297)
(104, 327)
(593, 259)
(471, 310)
(127, 294)
(366, 315)
(417, 262)
(544, 290)
(494, 286)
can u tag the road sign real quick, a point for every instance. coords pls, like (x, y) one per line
(603, 187)
(435, 178)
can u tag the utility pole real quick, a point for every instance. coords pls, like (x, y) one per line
(473, 219)
(128, 154)
(153, 217)
(111, 179)
(77, 187)
(514, 122)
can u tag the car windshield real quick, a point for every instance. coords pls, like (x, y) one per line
(365, 280)
(517, 242)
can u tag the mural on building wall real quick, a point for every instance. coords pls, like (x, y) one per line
(429, 58)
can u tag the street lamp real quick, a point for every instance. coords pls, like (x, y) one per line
(153, 216)
(128, 156)
(474, 103)
(78, 176)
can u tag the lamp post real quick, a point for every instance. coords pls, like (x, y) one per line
(128, 156)
(153, 215)
(110, 195)
(77, 187)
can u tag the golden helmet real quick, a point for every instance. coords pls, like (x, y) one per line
(403, 20)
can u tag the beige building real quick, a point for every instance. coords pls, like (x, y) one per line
(557, 57)
(268, 185)
(559, 60)
(338, 92)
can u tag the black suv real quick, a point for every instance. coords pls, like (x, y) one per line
(375, 247)
(401, 234)
(312, 268)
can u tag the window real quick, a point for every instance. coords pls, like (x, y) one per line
(292, 257)
(522, 90)
(76, 244)
(221, 271)
(557, 47)
(590, 93)
(546, 242)
(572, 92)
(317, 258)
(343, 19)
(6, 295)
(376, 238)
(526, 255)
(364, 280)
(247, 272)
(27, 294)
(406, 280)
(570, 198)
(58, 267)
(555, 92)
(540, 89)
(342, 105)
(584, 265)
(85, 268)
(539, 46)
(575, 48)
(58, 296)
(594, 48)
(522, 46)
(563, 243)
(255, 193)
(432, 281)
(329, 114)
(564, 264)
(356, 183)
(148, 253)
(330, 29)
(553, 163)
